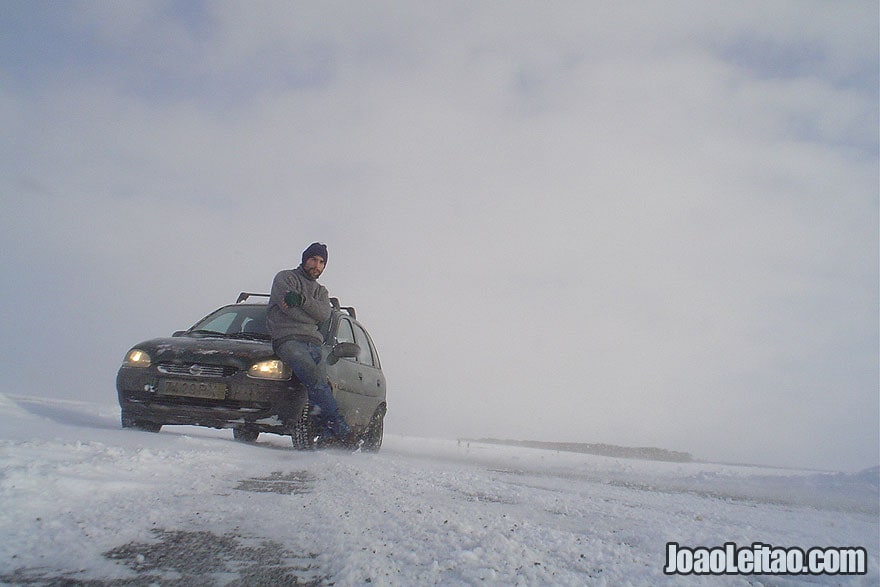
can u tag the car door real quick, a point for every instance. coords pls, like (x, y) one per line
(358, 383)
(346, 377)
(370, 375)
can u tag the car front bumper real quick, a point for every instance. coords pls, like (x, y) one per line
(145, 395)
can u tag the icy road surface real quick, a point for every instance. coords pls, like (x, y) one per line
(87, 503)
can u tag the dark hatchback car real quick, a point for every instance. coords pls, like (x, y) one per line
(223, 373)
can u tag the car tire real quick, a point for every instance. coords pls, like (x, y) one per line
(372, 438)
(244, 434)
(303, 433)
(128, 422)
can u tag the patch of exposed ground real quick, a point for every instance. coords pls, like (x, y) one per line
(191, 559)
(297, 483)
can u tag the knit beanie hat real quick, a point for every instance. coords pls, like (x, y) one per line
(315, 250)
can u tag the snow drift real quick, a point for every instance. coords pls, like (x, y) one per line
(87, 503)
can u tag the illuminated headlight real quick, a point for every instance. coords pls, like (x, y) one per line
(136, 358)
(274, 369)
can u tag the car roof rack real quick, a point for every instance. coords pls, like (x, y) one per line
(335, 303)
(245, 295)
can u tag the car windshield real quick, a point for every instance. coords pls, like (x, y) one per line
(244, 321)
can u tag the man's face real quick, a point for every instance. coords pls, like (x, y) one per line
(314, 266)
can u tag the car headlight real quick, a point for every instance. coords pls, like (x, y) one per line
(272, 369)
(137, 358)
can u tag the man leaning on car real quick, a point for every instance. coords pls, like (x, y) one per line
(298, 304)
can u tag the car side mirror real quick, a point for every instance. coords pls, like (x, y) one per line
(179, 333)
(343, 350)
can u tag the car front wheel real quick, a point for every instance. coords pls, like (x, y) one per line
(245, 434)
(303, 434)
(128, 422)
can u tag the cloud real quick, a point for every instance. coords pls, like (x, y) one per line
(593, 223)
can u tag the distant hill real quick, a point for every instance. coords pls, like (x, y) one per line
(605, 450)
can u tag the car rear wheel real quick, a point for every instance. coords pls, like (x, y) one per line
(372, 438)
(245, 434)
(303, 433)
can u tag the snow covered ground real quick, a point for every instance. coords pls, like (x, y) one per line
(87, 503)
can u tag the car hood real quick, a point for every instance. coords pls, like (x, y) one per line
(207, 350)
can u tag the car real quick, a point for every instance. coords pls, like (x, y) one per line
(223, 373)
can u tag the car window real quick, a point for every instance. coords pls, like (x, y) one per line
(235, 319)
(366, 355)
(376, 361)
(221, 323)
(344, 332)
(255, 325)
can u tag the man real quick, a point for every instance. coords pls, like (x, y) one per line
(298, 304)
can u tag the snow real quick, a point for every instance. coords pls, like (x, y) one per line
(87, 503)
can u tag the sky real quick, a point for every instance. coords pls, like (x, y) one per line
(624, 223)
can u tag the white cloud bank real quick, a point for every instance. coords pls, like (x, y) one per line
(633, 224)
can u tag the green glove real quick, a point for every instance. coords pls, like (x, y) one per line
(293, 299)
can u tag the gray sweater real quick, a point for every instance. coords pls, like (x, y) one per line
(299, 323)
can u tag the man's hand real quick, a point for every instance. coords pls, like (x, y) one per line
(293, 299)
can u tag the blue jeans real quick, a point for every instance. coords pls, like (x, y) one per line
(305, 358)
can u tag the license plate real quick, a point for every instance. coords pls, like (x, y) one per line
(185, 388)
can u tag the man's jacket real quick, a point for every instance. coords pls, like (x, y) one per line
(302, 322)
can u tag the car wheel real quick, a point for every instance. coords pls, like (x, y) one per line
(128, 422)
(245, 434)
(372, 438)
(303, 434)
